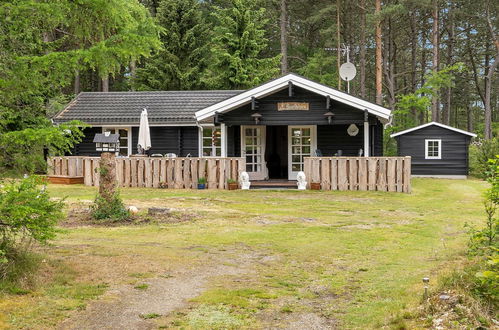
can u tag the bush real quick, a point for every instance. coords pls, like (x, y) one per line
(27, 215)
(109, 209)
(480, 153)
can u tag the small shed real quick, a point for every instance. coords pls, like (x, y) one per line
(437, 150)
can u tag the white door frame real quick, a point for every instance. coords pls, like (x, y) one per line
(313, 146)
(263, 173)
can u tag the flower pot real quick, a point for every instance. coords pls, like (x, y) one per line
(233, 186)
(201, 185)
(315, 186)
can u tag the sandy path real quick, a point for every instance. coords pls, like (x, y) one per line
(121, 306)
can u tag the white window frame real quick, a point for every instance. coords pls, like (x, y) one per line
(439, 148)
(313, 146)
(223, 141)
(129, 137)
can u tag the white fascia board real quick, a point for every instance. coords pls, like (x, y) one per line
(282, 83)
(431, 124)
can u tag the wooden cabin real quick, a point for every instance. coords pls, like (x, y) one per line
(274, 126)
(437, 150)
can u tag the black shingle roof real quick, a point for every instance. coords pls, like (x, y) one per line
(168, 107)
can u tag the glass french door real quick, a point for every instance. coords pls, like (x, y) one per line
(301, 144)
(253, 150)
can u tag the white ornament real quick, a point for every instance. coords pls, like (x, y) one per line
(353, 130)
(301, 181)
(133, 209)
(244, 181)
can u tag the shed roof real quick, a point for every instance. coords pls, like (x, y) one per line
(433, 123)
(124, 108)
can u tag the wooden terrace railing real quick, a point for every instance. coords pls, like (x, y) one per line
(360, 173)
(152, 172)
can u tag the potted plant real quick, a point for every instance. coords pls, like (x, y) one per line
(202, 183)
(233, 185)
(315, 185)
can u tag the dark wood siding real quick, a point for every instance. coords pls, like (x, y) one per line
(87, 147)
(454, 151)
(332, 138)
(181, 140)
(315, 116)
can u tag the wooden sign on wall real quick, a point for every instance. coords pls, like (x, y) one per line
(285, 106)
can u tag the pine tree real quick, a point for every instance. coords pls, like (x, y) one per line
(180, 65)
(238, 43)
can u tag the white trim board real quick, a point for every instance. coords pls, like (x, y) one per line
(282, 83)
(435, 124)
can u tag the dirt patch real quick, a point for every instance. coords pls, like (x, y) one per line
(80, 217)
(123, 306)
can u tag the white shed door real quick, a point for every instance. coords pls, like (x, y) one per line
(301, 143)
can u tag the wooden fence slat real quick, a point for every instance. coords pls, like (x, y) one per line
(400, 174)
(325, 174)
(202, 168)
(87, 167)
(334, 173)
(134, 164)
(316, 168)
(119, 171)
(155, 172)
(140, 173)
(186, 167)
(64, 166)
(96, 172)
(407, 174)
(222, 181)
(148, 172)
(212, 174)
(194, 173)
(126, 174)
(342, 174)
(363, 174)
(178, 175)
(381, 184)
(162, 172)
(372, 164)
(170, 169)
(352, 174)
(390, 175)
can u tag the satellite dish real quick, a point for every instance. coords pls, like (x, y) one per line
(347, 71)
(353, 130)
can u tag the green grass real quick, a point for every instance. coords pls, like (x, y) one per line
(355, 257)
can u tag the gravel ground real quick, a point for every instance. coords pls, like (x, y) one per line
(120, 307)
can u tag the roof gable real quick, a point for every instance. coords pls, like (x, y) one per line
(433, 123)
(282, 83)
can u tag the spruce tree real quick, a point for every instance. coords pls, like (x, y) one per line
(238, 43)
(183, 59)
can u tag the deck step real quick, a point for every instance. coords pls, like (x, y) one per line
(273, 184)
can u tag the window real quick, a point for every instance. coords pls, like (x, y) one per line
(212, 142)
(125, 142)
(433, 149)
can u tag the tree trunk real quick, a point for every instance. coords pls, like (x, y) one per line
(363, 49)
(488, 78)
(107, 177)
(105, 84)
(379, 59)
(450, 49)
(469, 116)
(434, 37)
(133, 69)
(77, 83)
(284, 37)
(338, 40)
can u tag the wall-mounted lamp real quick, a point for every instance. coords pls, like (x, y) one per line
(257, 117)
(329, 116)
